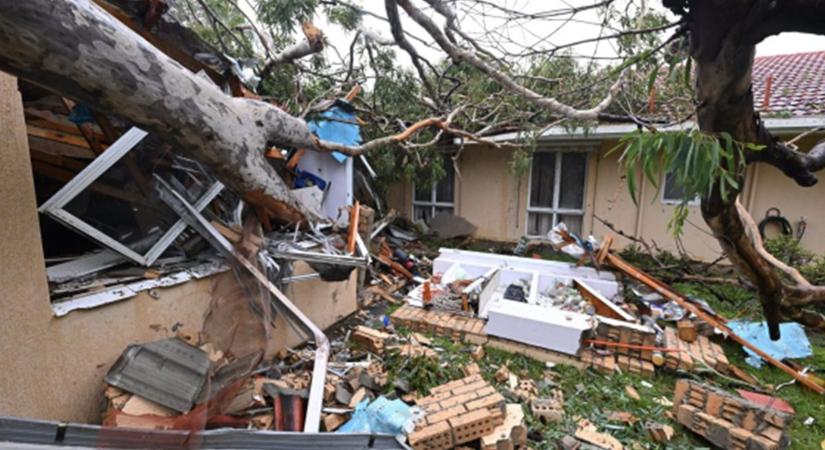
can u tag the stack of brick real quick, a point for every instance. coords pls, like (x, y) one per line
(458, 412)
(602, 361)
(728, 421)
(440, 323)
(697, 354)
(370, 338)
(629, 359)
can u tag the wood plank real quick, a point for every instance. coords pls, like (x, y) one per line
(53, 135)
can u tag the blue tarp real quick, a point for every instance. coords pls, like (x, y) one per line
(381, 416)
(793, 344)
(342, 129)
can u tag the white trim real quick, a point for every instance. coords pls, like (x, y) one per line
(433, 204)
(124, 144)
(555, 210)
(608, 131)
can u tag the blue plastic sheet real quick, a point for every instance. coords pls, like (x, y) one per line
(793, 343)
(342, 128)
(381, 416)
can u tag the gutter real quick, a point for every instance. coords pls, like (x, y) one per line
(613, 131)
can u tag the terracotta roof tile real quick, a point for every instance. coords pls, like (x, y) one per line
(797, 84)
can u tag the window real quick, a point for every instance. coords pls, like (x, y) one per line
(673, 193)
(556, 194)
(430, 200)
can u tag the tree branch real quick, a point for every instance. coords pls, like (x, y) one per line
(460, 55)
(314, 43)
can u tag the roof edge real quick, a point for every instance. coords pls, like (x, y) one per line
(613, 131)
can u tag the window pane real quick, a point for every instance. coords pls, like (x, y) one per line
(539, 224)
(542, 179)
(423, 193)
(444, 210)
(421, 213)
(573, 167)
(444, 188)
(573, 222)
(673, 191)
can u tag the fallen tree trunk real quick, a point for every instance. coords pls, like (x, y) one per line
(75, 48)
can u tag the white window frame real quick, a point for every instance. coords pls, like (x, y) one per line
(673, 201)
(55, 205)
(555, 211)
(432, 204)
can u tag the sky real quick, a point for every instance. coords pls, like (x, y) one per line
(532, 33)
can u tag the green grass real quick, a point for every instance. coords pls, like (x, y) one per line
(592, 395)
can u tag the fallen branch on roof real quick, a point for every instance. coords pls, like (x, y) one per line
(314, 43)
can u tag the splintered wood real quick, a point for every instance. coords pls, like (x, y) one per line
(458, 412)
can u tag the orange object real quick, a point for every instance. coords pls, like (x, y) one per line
(427, 295)
(293, 162)
(354, 216)
(274, 153)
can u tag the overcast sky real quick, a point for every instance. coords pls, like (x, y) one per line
(535, 33)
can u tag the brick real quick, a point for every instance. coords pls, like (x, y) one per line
(772, 433)
(470, 387)
(491, 401)
(433, 398)
(684, 414)
(474, 424)
(762, 443)
(458, 399)
(713, 404)
(445, 414)
(436, 437)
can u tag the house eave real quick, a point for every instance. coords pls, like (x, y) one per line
(614, 131)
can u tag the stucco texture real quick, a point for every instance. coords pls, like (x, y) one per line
(495, 201)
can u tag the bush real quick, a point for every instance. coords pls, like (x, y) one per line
(788, 250)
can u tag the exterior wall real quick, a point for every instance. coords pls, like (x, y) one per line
(52, 368)
(772, 189)
(649, 219)
(493, 200)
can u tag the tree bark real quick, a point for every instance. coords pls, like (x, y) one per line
(723, 42)
(75, 48)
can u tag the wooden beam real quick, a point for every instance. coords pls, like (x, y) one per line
(53, 135)
(668, 293)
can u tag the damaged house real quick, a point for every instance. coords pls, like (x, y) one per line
(156, 297)
(95, 261)
(575, 179)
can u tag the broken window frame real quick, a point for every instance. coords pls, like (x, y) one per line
(555, 211)
(674, 200)
(55, 205)
(433, 204)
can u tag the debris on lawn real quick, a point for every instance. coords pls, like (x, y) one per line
(728, 421)
(794, 342)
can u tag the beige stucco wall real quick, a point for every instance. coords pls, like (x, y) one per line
(52, 368)
(495, 201)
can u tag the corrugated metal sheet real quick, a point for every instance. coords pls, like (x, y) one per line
(168, 372)
(24, 431)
